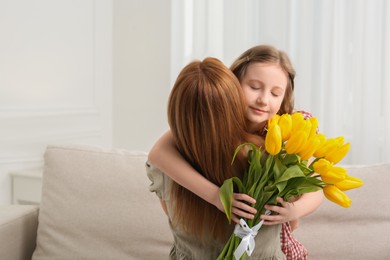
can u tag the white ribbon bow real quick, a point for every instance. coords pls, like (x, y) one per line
(247, 236)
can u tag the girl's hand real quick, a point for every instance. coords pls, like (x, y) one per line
(289, 212)
(286, 212)
(240, 207)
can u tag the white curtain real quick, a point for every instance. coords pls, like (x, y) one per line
(339, 49)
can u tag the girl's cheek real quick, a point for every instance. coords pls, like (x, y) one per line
(272, 115)
(248, 98)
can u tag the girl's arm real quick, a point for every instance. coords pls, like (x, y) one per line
(292, 211)
(165, 156)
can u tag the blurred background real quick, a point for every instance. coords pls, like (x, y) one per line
(99, 72)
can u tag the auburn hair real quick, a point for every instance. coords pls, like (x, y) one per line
(206, 114)
(268, 54)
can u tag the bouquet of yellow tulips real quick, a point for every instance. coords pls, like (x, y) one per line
(282, 169)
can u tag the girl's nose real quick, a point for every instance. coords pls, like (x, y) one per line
(262, 99)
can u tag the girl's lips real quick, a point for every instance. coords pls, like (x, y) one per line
(258, 111)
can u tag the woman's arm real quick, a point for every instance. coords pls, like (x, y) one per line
(167, 158)
(292, 211)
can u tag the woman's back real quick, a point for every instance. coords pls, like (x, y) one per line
(186, 246)
(206, 114)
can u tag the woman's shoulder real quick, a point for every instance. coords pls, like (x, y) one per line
(160, 183)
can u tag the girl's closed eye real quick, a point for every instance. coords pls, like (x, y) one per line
(277, 92)
(254, 85)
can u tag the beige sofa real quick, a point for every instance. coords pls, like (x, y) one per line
(96, 205)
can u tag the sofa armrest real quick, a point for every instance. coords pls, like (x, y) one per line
(18, 231)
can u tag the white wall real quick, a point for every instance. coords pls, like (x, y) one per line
(59, 63)
(141, 72)
(55, 79)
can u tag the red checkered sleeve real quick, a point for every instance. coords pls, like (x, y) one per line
(291, 247)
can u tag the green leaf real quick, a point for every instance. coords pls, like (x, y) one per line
(289, 159)
(279, 168)
(291, 184)
(291, 172)
(255, 171)
(237, 150)
(281, 186)
(266, 197)
(315, 181)
(305, 169)
(226, 194)
(272, 200)
(301, 190)
(255, 167)
(300, 185)
(268, 164)
(263, 199)
(259, 187)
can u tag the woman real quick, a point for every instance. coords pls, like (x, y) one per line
(206, 114)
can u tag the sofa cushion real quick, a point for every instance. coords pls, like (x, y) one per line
(96, 205)
(361, 231)
(18, 231)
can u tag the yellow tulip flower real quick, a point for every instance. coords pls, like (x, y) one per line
(298, 122)
(296, 142)
(348, 183)
(329, 174)
(338, 154)
(322, 139)
(328, 146)
(308, 126)
(335, 144)
(273, 140)
(311, 146)
(335, 195)
(340, 140)
(334, 175)
(285, 123)
(322, 166)
(314, 125)
(273, 121)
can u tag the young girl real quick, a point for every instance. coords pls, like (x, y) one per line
(267, 79)
(206, 114)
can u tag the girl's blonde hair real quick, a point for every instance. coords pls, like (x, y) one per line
(268, 54)
(206, 114)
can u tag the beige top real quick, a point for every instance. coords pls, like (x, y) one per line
(186, 247)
